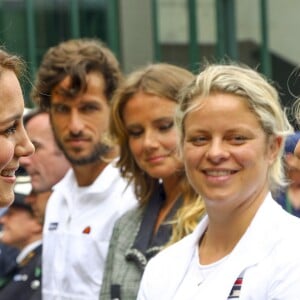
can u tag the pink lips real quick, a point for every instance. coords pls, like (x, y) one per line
(8, 175)
(219, 175)
(155, 159)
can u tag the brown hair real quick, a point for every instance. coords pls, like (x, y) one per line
(75, 58)
(11, 62)
(162, 80)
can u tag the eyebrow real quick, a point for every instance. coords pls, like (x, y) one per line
(11, 118)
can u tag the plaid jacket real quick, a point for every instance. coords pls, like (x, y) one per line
(131, 247)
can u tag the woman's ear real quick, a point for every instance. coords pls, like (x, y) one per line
(275, 145)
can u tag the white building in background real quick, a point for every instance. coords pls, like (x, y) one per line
(129, 28)
(283, 24)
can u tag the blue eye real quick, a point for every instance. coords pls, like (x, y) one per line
(198, 140)
(238, 139)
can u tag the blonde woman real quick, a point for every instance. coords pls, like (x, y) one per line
(232, 134)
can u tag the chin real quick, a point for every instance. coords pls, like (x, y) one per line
(6, 199)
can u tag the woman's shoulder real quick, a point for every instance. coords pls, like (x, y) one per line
(132, 216)
(169, 255)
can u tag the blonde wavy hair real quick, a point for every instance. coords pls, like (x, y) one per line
(259, 94)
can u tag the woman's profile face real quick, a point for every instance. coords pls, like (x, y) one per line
(149, 121)
(226, 152)
(13, 138)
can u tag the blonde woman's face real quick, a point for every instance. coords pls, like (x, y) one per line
(149, 121)
(226, 153)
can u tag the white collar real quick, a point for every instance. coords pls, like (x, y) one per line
(27, 249)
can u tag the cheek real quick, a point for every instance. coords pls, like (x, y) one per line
(251, 157)
(6, 153)
(191, 155)
(57, 130)
(135, 146)
(102, 119)
(171, 141)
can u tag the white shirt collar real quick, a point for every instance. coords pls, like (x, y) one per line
(24, 252)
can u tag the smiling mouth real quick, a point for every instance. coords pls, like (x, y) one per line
(8, 173)
(155, 158)
(217, 173)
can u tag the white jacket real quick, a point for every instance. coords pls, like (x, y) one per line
(267, 257)
(77, 231)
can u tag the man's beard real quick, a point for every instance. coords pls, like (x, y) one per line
(100, 150)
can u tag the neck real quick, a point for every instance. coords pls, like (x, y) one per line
(223, 233)
(173, 190)
(86, 174)
(216, 243)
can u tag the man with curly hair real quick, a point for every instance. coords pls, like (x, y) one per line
(75, 83)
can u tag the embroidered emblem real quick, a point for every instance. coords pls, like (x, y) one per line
(53, 226)
(236, 289)
(87, 230)
(27, 259)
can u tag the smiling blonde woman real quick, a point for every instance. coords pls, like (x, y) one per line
(232, 134)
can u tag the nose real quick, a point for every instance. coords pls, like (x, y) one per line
(217, 151)
(150, 139)
(24, 147)
(76, 123)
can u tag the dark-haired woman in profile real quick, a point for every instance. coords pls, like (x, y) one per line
(14, 142)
